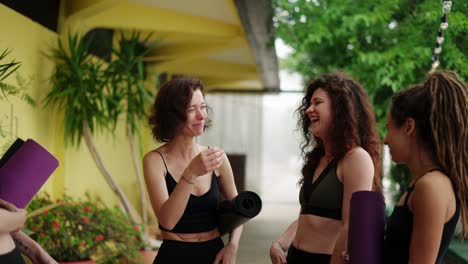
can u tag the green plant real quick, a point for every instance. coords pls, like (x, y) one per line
(126, 75)
(6, 69)
(81, 229)
(80, 90)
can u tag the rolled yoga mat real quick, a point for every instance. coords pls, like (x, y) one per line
(11, 150)
(366, 228)
(235, 212)
(25, 170)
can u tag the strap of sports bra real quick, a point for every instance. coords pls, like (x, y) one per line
(162, 158)
(410, 189)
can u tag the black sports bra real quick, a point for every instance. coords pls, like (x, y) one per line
(323, 197)
(200, 213)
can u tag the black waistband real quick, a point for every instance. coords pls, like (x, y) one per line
(323, 212)
(296, 255)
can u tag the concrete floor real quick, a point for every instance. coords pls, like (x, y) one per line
(260, 232)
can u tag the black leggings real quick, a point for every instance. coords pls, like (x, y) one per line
(172, 252)
(12, 257)
(297, 256)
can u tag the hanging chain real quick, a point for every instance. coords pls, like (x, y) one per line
(446, 7)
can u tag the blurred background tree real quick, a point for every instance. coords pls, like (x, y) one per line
(386, 45)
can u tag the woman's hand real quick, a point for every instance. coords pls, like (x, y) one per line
(345, 256)
(227, 255)
(44, 258)
(8, 206)
(208, 160)
(277, 254)
(32, 249)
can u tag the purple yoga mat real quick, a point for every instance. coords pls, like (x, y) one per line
(25, 172)
(366, 228)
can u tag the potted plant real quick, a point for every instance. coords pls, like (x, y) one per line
(80, 90)
(82, 230)
(126, 77)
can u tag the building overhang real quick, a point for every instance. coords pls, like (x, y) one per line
(214, 40)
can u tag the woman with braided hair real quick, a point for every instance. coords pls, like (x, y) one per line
(428, 131)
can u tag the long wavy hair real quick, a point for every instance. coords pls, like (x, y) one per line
(353, 124)
(439, 107)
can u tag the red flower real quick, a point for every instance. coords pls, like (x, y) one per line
(82, 244)
(136, 228)
(85, 219)
(34, 228)
(56, 224)
(45, 212)
(136, 260)
(99, 238)
(42, 235)
(87, 208)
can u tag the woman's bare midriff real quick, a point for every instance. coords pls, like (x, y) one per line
(6, 243)
(316, 234)
(191, 237)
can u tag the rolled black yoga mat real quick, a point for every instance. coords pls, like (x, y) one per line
(235, 212)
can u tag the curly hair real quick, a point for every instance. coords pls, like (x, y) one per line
(353, 124)
(439, 108)
(169, 111)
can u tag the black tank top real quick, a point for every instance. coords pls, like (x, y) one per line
(399, 229)
(323, 197)
(200, 213)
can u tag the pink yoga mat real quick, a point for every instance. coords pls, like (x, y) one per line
(25, 171)
(366, 228)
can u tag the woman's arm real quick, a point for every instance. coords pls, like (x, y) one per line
(279, 247)
(357, 175)
(229, 191)
(11, 218)
(170, 208)
(428, 202)
(32, 249)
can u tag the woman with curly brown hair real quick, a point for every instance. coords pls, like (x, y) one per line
(341, 155)
(428, 131)
(185, 179)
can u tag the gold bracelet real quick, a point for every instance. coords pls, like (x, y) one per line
(185, 179)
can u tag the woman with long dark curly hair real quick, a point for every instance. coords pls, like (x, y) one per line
(341, 153)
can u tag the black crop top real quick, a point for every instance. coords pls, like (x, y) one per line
(400, 227)
(323, 197)
(200, 213)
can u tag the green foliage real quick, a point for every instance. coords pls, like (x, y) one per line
(86, 89)
(81, 229)
(126, 76)
(6, 69)
(387, 45)
(79, 89)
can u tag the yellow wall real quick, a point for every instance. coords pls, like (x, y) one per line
(26, 39)
(77, 172)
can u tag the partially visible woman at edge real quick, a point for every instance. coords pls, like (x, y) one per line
(341, 155)
(185, 179)
(428, 131)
